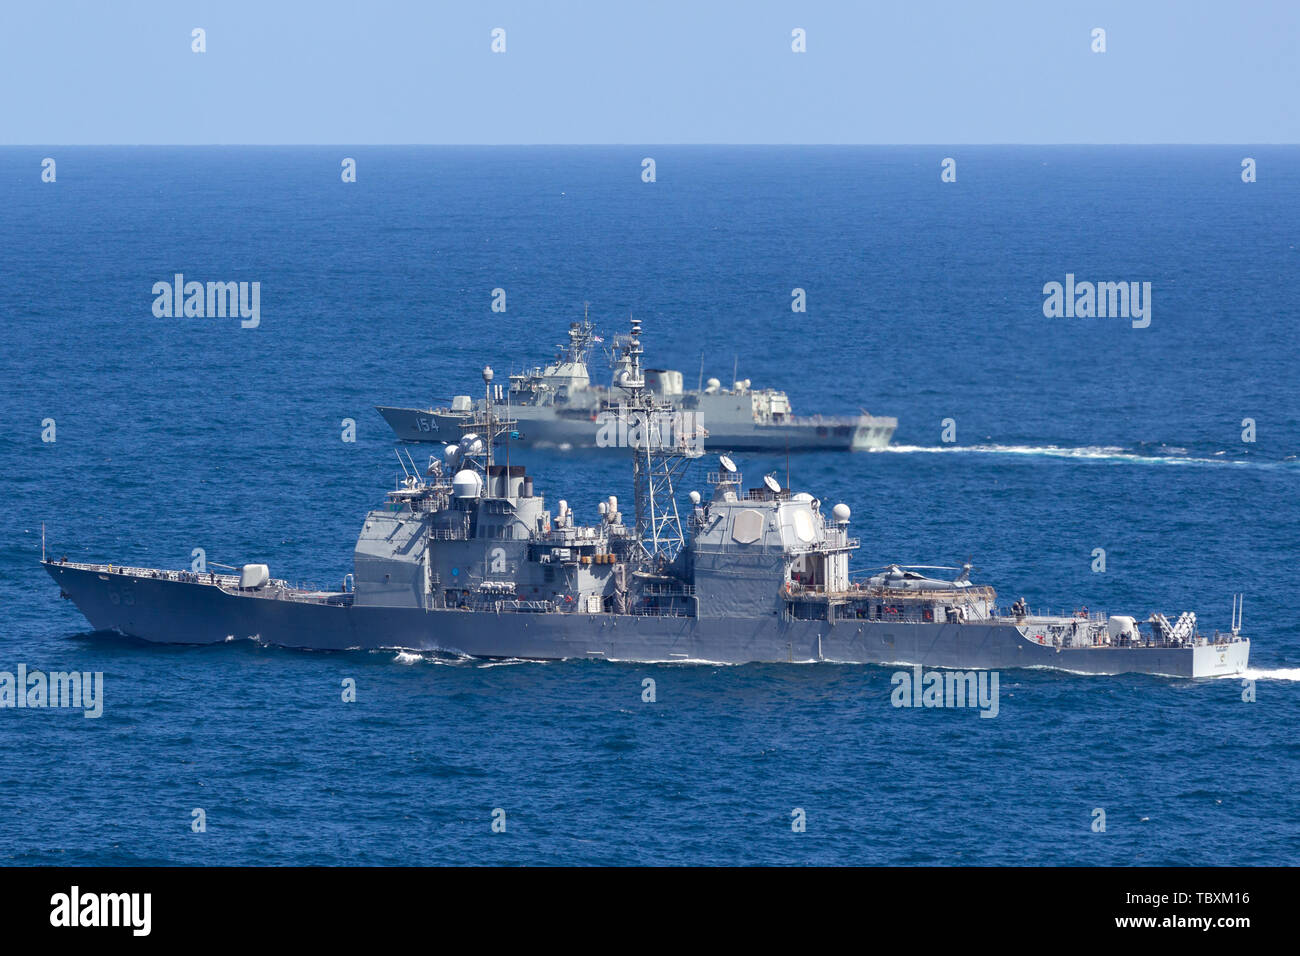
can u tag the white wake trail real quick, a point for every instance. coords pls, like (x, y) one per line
(1085, 452)
(1281, 673)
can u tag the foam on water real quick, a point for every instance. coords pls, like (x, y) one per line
(1279, 673)
(408, 657)
(1178, 456)
(508, 662)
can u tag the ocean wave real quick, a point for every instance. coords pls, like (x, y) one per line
(1174, 456)
(427, 657)
(1278, 673)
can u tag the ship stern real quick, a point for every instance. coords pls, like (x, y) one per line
(1220, 660)
(872, 432)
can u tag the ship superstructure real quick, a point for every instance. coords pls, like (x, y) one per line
(467, 558)
(560, 405)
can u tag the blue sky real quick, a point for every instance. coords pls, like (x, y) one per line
(656, 72)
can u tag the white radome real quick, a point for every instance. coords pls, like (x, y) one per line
(466, 484)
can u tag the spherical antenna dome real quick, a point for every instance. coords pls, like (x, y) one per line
(466, 484)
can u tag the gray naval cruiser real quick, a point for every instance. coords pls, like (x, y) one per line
(466, 558)
(559, 405)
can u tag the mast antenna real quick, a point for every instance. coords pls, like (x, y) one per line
(491, 417)
(661, 452)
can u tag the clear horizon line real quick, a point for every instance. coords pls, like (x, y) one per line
(637, 144)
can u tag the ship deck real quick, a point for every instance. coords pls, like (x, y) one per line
(274, 589)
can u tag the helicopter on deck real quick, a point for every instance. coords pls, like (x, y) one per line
(907, 578)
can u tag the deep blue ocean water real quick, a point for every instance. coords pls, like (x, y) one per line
(924, 302)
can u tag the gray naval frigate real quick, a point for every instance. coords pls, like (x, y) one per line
(466, 558)
(558, 405)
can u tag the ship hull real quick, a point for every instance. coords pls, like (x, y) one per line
(419, 424)
(576, 429)
(180, 612)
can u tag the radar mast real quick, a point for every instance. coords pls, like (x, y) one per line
(489, 425)
(582, 336)
(663, 445)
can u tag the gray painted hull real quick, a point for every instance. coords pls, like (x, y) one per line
(544, 426)
(176, 612)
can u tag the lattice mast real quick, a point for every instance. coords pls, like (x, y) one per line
(663, 445)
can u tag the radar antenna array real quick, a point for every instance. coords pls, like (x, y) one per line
(662, 449)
